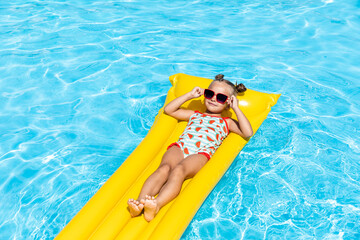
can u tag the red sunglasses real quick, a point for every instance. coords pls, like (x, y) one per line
(220, 98)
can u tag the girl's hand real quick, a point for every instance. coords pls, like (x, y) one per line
(196, 92)
(233, 102)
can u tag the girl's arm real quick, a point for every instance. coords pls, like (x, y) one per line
(173, 108)
(242, 126)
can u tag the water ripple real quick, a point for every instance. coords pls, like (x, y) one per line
(81, 83)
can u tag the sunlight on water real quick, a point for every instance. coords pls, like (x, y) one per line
(81, 83)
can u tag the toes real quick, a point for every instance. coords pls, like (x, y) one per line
(147, 197)
(135, 207)
(135, 202)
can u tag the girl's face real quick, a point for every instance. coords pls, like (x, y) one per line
(218, 87)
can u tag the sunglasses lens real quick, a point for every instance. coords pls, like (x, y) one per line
(208, 94)
(221, 98)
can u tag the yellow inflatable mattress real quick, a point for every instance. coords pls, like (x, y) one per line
(106, 216)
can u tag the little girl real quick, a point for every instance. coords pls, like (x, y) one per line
(203, 135)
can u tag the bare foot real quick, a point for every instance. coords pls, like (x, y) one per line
(150, 208)
(135, 207)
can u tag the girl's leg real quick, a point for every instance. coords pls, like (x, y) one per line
(156, 180)
(184, 170)
(153, 184)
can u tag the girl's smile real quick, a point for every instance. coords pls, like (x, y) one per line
(213, 104)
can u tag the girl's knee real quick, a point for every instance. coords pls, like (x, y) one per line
(178, 172)
(164, 169)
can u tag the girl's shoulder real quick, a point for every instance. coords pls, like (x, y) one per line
(232, 124)
(195, 114)
(229, 120)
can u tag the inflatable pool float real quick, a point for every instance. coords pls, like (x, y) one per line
(106, 216)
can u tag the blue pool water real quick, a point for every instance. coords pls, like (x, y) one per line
(81, 83)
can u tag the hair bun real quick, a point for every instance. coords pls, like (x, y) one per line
(240, 88)
(219, 77)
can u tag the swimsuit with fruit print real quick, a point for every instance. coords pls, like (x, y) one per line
(203, 134)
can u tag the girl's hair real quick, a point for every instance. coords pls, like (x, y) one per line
(237, 88)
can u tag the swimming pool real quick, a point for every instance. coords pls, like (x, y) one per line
(81, 83)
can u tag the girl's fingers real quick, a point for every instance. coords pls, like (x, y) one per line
(233, 101)
(200, 91)
(197, 92)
